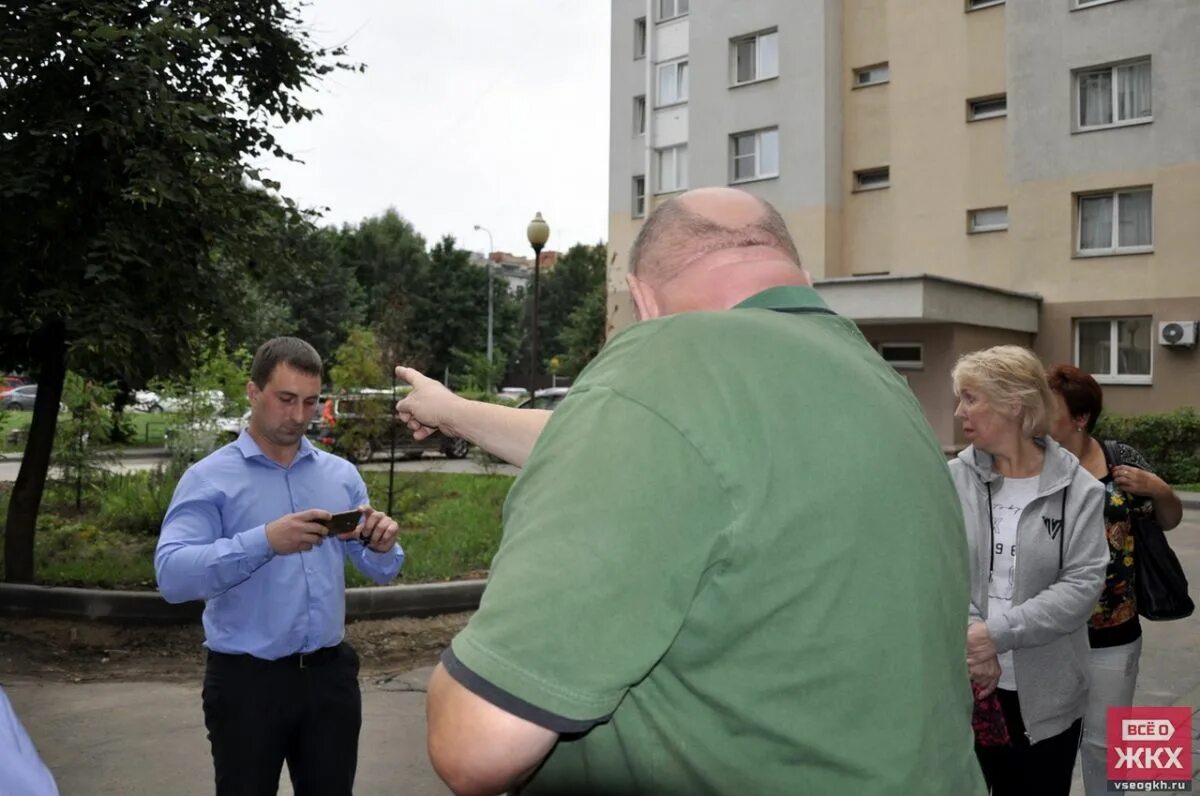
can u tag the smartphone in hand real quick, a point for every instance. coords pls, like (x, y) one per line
(343, 522)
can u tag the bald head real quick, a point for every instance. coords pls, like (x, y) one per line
(683, 230)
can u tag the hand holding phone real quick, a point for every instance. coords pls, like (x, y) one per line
(343, 522)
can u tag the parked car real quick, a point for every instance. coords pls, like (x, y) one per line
(204, 435)
(8, 383)
(20, 399)
(358, 426)
(548, 398)
(149, 401)
(512, 395)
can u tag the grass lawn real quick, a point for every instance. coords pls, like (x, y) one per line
(147, 428)
(1186, 487)
(449, 528)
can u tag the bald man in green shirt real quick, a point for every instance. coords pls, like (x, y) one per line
(734, 562)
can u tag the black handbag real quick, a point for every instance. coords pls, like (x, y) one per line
(1160, 587)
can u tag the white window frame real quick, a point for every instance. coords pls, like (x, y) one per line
(639, 115)
(1116, 249)
(678, 184)
(904, 364)
(974, 228)
(974, 115)
(1081, 5)
(861, 70)
(675, 12)
(639, 38)
(758, 173)
(759, 75)
(639, 197)
(1112, 377)
(680, 65)
(859, 174)
(979, 5)
(1112, 68)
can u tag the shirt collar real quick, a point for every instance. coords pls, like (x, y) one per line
(783, 298)
(250, 449)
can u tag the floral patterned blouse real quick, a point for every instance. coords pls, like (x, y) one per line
(1114, 620)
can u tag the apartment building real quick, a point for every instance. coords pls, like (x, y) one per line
(957, 173)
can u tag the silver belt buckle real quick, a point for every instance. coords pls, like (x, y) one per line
(303, 655)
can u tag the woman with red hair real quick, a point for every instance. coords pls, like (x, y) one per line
(1131, 487)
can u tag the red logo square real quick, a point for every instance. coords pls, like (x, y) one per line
(1149, 743)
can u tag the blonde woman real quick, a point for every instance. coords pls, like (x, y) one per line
(1035, 533)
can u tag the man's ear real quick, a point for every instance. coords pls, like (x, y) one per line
(645, 302)
(252, 391)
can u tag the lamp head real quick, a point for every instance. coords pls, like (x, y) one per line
(538, 232)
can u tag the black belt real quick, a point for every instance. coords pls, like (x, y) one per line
(298, 660)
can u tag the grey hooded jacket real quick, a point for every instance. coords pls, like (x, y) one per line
(1046, 628)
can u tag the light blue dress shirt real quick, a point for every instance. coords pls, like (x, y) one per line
(214, 547)
(21, 770)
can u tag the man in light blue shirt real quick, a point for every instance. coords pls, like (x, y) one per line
(21, 770)
(246, 533)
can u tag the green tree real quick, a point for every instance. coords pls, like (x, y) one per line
(564, 288)
(583, 336)
(78, 452)
(358, 364)
(128, 206)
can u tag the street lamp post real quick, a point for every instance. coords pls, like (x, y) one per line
(491, 249)
(538, 233)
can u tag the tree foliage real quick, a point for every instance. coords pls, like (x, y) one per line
(129, 208)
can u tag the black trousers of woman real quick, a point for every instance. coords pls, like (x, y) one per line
(1024, 769)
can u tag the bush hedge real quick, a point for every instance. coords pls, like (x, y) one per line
(1170, 441)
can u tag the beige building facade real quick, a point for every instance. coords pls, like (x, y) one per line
(956, 174)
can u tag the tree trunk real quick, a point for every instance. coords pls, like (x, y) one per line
(31, 480)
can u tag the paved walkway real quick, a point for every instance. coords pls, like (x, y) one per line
(148, 739)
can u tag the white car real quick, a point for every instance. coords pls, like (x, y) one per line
(148, 401)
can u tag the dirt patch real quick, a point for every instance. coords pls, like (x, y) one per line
(65, 650)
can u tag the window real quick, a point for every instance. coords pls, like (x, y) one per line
(1116, 222)
(639, 38)
(975, 5)
(672, 83)
(903, 356)
(1110, 96)
(639, 115)
(992, 107)
(987, 219)
(1114, 350)
(669, 9)
(754, 156)
(872, 179)
(672, 169)
(872, 75)
(755, 57)
(639, 196)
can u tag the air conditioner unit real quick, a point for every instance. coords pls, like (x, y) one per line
(1177, 333)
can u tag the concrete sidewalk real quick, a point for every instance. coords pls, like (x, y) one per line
(148, 739)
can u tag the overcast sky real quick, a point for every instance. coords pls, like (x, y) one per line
(470, 112)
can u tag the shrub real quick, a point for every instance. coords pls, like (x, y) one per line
(1170, 441)
(135, 502)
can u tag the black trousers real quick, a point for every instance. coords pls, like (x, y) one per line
(1024, 769)
(260, 713)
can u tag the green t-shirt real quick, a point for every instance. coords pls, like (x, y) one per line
(734, 563)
